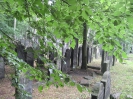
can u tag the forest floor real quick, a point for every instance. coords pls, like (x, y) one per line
(121, 75)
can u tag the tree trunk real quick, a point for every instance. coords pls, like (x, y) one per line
(84, 47)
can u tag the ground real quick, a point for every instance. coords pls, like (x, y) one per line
(121, 81)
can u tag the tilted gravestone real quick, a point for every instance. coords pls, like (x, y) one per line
(2, 67)
(105, 67)
(80, 56)
(97, 91)
(25, 85)
(106, 80)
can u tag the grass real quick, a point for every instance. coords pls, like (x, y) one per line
(121, 81)
(122, 77)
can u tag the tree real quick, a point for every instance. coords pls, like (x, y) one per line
(63, 20)
(84, 48)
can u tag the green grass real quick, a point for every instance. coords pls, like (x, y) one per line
(122, 78)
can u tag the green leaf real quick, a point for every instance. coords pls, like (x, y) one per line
(40, 88)
(67, 80)
(124, 55)
(72, 83)
(84, 15)
(79, 87)
(73, 44)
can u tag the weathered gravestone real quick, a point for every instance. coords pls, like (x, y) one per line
(104, 57)
(51, 56)
(66, 61)
(30, 56)
(74, 55)
(58, 63)
(110, 60)
(96, 52)
(88, 54)
(115, 96)
(105, 67)
(2, 67)
(68, 58)
(106, 80)
(40, 62)
(80, 56)
(92, 49)
(97, 91)
(24, 84)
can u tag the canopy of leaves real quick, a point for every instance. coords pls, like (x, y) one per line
(63, 19)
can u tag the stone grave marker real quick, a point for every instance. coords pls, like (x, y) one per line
(92, 49)
(51, 56)
(88, 54)
(26, 84)
(58, 63)
(64, 65)
(80, 56)
(105, 67)
(30, 56)
(106, 80)
(40, 63)
(97, 91)
(115, 96)
(74, 56)
(2, 67)
(68, 58)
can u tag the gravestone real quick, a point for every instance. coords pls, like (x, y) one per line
(97, 91)
(30, 56)
(64, 65)
(88, 54)
(96, 52)
(58, 63)
(74, 55)
(66, 61)
(68, 58)
(111, 60)
(91, 54)
(115, 96)
(40, 62)
(26, 84)
(106, 80)
(2, 67)
(105, 67)
(80, 56)
(104, 57)
(51, 56)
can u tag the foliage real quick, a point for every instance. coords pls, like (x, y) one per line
(63, 19)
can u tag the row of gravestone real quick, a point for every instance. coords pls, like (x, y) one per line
(101, 90)
(28, 57)
(73, 58)
(69, 61)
